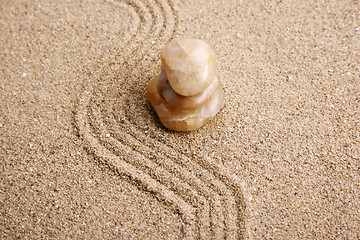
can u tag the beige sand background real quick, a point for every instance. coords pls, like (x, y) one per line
(83, 155)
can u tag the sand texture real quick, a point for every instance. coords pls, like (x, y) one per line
(84, 156)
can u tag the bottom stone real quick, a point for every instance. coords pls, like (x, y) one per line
(177, 118)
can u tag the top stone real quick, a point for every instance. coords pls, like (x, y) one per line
(189, 65)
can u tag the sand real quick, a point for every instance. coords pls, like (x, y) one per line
(84, 156)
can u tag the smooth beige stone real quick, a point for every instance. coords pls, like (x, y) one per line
(189, 65)
(186, 112)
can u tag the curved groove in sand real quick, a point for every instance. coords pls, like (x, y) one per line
(152, 21)
(178, 173)
(226, 184)
(144, 15)
(118, 162)
(173, 162)
(163, 173)
(145, 165)
(157, 16)
(168, 10)
(201, 192)
(135, 23)
(140, 30)
(227, 216)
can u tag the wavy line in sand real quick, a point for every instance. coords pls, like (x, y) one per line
(185, 167)
(226, 221)
(152, 21)
(135, 21)
(207, 170)
(117, 161)
(174, 176)
(176, 163)
(124, 168)
(153, 175)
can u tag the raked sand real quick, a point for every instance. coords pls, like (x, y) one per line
(84, 156)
